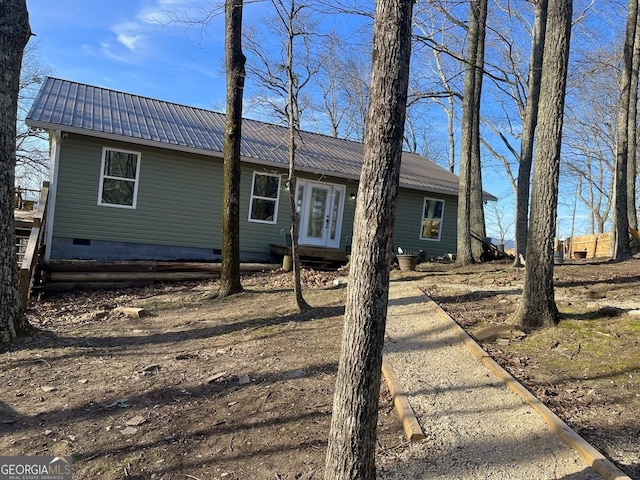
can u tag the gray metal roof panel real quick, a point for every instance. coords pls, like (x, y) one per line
(98, 111)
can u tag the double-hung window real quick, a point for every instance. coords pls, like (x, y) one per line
(431, 219)
(265, 191)
(119, 175)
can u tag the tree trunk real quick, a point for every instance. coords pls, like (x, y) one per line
(467, 148)
(529, 128)
(632, 163)
(235, 60)
(294, 123)
(476, 208)
(620, 249)
(351, 449)
(537, 306)
(14, 35)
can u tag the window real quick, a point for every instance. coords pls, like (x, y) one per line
(431, 219)
(264, 198)
(119, 178)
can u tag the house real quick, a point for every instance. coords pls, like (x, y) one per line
(134, 178)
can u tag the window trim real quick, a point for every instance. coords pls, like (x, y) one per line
(422, 219)
(253, 197)
(135, 180)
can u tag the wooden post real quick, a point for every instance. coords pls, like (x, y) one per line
(287, 263)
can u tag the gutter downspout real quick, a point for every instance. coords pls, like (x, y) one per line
(56, 144)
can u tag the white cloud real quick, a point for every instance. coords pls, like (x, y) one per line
(131, 34)
(129, 41)
(116, 54)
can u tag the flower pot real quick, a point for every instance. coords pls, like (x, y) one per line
(407, 262)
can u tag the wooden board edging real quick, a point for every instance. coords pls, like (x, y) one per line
(588, 452)
(412, 428)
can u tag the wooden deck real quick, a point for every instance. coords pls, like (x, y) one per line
(310, 254)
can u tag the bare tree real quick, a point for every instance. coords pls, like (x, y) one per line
(440, 84)
(529, 126)
(537, 307)
(502, 221)
(632, 162)
(351, 449)
(477, 221)
(341, 107)
(235, 61)
(32, 152)
(620, 249)
(590, 136)
(284, 79)
(470, 148)
(14, 35)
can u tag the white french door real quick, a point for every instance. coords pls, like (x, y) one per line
(320, 206)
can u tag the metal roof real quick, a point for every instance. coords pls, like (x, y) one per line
(100, 112)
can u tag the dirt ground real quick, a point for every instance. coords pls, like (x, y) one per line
(201, 388)
(198, 388)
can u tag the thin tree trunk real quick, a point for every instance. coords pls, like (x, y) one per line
(293, 120)
(529, 128)
(235, 60)
(620, 249)
(351, 449)
(537, 306)
(450, 110)
(477, 223)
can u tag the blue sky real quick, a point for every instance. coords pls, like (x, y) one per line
(133, 46)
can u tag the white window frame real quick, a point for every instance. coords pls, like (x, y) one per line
(253, 197)
(422, 219)
(109, 177)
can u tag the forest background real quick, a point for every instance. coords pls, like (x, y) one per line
(174, 50)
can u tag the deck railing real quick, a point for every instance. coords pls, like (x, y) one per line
(31, 251)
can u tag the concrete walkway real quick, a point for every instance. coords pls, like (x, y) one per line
(475, 427)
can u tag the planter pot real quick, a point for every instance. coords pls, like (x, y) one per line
(407, 262)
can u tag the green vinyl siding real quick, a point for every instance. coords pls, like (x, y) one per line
(179, 203)
(409, 219)
(178, 197)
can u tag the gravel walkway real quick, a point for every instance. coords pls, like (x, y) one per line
(475, 427)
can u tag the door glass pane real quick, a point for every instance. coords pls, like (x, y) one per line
(317, 212)
(300, 198)
(334, 214)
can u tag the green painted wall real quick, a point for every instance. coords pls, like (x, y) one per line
(409, 218)
(178, 197)
(179, 203)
